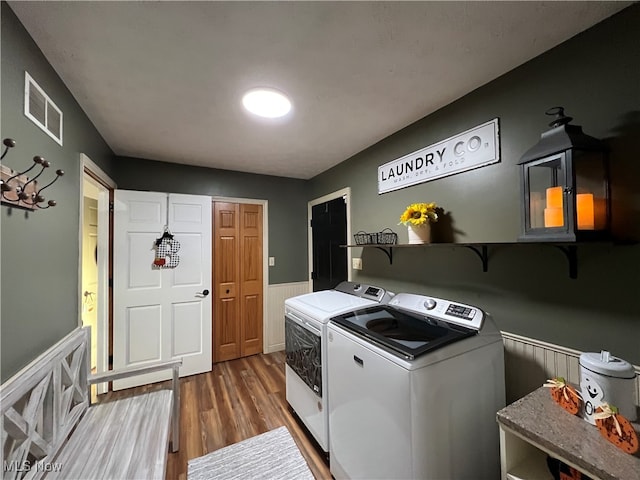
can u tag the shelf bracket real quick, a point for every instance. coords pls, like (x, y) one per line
(389, 253)
(482, 255)
(571, 252)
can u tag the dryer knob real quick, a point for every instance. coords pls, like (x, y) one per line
(429, 304)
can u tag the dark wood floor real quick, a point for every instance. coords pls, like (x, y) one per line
(238, 399)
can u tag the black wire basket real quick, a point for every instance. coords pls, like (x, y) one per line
(364, 238)
(385, 237)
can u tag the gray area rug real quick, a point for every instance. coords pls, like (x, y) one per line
(272, 455)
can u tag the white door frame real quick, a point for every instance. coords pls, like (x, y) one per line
(346, 194)
(102, 355)
(265, 258)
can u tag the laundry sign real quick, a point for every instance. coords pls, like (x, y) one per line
(474, 148)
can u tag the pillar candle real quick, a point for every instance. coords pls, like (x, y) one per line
(553, 214)
(553, 217)
(585, 211)
(536, 210)
(554, 197)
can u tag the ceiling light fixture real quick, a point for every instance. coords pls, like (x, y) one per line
(266, 102)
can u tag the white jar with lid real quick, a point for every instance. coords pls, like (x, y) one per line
(605, 378)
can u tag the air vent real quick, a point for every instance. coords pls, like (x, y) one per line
(41, 109)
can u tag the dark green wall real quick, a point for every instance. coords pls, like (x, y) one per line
(286, 196)
(596, 77)
(40, 250)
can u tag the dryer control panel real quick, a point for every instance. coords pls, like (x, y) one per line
(370, 292)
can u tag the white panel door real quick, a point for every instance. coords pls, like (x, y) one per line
(161, 313)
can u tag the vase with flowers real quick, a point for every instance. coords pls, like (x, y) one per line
(418, 218)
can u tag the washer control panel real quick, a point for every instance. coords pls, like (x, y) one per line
(458, 313)
(461, 311)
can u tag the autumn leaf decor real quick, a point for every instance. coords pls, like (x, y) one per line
(418, 214)
(616, 428)
(564, 395)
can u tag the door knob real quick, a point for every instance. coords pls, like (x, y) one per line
(204, 292)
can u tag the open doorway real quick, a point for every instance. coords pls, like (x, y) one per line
(329, 231)
(90, 265)
(95, 266)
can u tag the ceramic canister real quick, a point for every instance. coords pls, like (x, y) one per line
(605, 378)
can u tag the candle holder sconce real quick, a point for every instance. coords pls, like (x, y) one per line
(565, 185)
(19, 190)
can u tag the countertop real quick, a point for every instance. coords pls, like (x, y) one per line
(537, 418)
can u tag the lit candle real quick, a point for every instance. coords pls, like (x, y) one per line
(553, 217)
(553, 214)
(554, 197)
(585, 212)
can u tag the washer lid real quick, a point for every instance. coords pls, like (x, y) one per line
(606, 364)
(400, 332)
(325, 304)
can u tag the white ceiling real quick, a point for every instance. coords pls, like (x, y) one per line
(163, 80)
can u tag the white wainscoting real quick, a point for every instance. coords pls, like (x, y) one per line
(276, 295)
(529, 362)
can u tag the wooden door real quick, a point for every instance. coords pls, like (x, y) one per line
(237, 316)
(226, 262)
(250, 279)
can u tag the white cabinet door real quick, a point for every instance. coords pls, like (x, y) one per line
(161, 313)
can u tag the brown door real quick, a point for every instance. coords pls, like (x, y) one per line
(237, 272)
(250, 279)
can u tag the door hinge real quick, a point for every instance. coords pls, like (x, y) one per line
(314, 275)
(111, 206)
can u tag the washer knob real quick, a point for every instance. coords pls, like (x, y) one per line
(429, 304)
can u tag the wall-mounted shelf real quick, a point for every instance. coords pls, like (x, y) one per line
(481, 250)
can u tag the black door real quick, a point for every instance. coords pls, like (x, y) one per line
(329, 231)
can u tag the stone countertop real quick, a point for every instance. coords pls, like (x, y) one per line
(537, 418)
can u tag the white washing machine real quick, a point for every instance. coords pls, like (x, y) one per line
(414, 387)
(306, 318)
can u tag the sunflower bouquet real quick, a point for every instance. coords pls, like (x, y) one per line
(418, 214)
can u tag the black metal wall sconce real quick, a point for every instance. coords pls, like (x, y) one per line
(19, 190)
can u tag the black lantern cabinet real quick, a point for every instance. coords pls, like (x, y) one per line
(565, 185)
